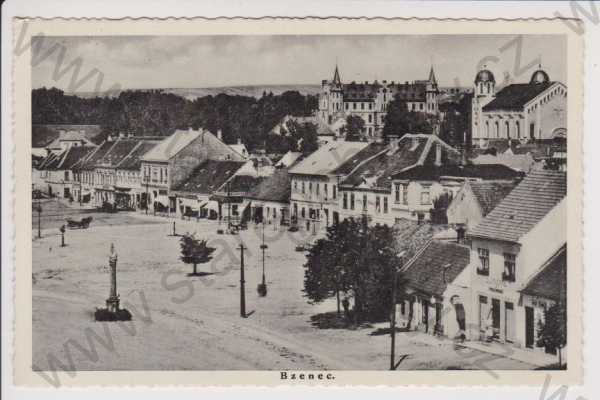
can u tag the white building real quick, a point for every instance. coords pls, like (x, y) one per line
(524, 111)
(508, 248)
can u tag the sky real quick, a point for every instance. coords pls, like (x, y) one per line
(215, 61)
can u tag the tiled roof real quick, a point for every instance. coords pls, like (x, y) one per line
(273, 188)
(44, 134)
(371, 150)
(73, 155)
(436, 266)
(116, 154)
(537, 194)
(327, 158)
(239, 184)
(133, 161)
(484, 171)
(489, 194)
(90, 161)
(519, 162)
(51, 161)
(551, 279)
(410, 150)
(514, 97)
(209, 176)
(171, 145)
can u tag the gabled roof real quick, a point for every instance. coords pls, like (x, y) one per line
(519, 162)
(239, 184)
(289, 159)
(489, 194)
(435, 266)
(44, 134)
(371, 150)
(92, 158)
(70, 136)
(525, 206)
(133, 161)
(550, 281)
(273, 188)
(116, 154)
(209, 176)
(172, 145)
(73, 155)
(327, 158)
(484, 171)
(51, 161)
(411, 150)
(514, 97)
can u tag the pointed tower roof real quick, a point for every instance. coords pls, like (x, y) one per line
(336, 76)
(432, 76)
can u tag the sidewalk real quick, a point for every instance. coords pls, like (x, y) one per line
(537, 358)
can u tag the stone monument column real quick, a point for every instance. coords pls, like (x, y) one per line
(112, 303)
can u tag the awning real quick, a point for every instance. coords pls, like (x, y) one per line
(164, 200)
(202, 204)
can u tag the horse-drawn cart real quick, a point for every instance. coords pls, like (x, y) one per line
(84, 223)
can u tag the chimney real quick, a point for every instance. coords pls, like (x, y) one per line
(220, 135)
(239, 141)
(438, 154)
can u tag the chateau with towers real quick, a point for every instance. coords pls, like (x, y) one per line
(528, 112)
(370, 100)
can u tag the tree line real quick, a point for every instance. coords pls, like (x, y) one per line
(157, 113)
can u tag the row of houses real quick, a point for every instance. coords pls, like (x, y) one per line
(491, 278)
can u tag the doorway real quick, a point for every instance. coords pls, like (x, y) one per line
(529, 327)
(496, 317)
(509, 326)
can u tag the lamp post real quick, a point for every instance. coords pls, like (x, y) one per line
(242, 282)
(393, 316)
(262, 287)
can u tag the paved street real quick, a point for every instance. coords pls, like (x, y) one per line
(193, 323)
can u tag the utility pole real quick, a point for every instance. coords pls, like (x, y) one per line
(228, 206)
(146, 176)
(39, 210)
(393, 316)
(242, 282)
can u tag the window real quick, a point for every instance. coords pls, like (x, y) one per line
(317, 189)
(377, 204)
(346, 104)
(295, 186)
(385, 205)
(364, 202)
(352, 201)
(370, 118)
(310, 187)
(334, 192)
(362, 106)
(405, 194)
(421, 107)
(345, 201)
(484, 259)
(370, 107)
(302, 187)
(425, 199)
(509, 267)
(325, 190)
(303, 213)
(354, 106)
(396, 193)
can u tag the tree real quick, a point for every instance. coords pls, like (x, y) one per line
(354, 128)
(303, 136)
(400, 121)
(357, 260)
(440, 207)
(194, 251)
(552, 331)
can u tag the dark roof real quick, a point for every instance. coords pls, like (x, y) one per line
(90, 161)
(514, 97)
(529, 202)
(489, 194)
(435, 266)
(408, 151)
(209, 176)
(274, 188)
(51, 161)
(239, 183)
(369, 151)
(480, 171)
(551, 279)
(117, 153)
(133, 160)
(73, 155)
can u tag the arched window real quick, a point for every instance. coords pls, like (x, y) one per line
(518, 129)
(507, 130)
(497, 129)
(487, 129)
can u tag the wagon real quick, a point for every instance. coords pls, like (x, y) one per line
(83, 224)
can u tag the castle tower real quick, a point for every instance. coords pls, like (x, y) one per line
(331, 101)
(432, 93)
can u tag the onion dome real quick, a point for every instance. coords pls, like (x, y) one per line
(539, 76)
(485, 75)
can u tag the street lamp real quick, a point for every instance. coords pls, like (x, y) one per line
(393, 316)
(39, 211)
(262, 287)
